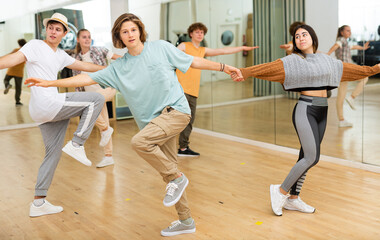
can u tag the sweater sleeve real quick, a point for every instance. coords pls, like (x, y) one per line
(352, 72)
(273, 71)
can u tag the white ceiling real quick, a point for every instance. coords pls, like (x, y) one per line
(15, 8)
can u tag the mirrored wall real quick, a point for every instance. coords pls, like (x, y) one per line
(261, 110)
(254, 109)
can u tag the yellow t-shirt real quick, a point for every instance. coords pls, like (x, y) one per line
(190, 81)
(18, 70)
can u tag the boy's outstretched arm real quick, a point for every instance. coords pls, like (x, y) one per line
(76, 81)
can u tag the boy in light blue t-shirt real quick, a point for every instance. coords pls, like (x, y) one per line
(146, 77)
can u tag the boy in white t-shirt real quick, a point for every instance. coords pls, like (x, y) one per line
(53, 110)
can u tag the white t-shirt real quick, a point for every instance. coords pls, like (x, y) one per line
(42, 62)
(87, 58)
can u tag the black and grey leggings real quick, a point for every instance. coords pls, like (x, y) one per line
(309, 120)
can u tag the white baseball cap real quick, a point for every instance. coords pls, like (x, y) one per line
(58, 17)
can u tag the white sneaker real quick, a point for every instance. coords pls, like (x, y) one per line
(351, 102)
(345, 123)
(44, 209)
(106, 161)
(298, 205)
(105, 136)
(277, 199)
(77, 153)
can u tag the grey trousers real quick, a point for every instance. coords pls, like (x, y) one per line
(87, 105)
(309, 119)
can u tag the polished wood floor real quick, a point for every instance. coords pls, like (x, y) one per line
(228, 193)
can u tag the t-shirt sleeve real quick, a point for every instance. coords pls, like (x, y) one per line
(106, 77)
(67, 60)
(176, 57)
(339, 42)
(29, 50)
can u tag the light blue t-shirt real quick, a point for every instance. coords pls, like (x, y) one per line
(148, 81)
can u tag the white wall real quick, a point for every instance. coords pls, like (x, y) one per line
(19, 8)
(149, 12)
(322, 15)
(362, 16)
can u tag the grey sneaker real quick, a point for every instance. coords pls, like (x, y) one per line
(174, 191)
(277, 199)
(177, 227)
(298, 205)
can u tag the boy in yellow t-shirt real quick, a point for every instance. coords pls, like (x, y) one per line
(190, 81)
(16, 72)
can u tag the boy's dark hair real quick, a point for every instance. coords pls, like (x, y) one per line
(21, 42)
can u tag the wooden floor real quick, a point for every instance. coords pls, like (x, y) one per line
(228, 193)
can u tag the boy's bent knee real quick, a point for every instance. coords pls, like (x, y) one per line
(137, 143)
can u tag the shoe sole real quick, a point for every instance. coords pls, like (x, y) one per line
(42, 214)
(346, 126)
(271, 197)
(187, 155)
(178, 198)
(89, 163)
(105, 165)
(169, 234)
(294, 209)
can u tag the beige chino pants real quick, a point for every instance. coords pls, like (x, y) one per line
(103, 121)
(156, 144)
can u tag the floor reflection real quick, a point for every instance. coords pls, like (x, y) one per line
(257, 120)
(13, 115)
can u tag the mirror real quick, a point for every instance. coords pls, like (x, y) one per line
(96, 16)
(259, 110)
(15, 115)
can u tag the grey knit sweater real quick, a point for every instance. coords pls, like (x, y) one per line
(315, 71)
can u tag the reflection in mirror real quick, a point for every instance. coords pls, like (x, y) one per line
(10, 31)
(176, 17)
(261, 110)
(237, 109)
(363, 19)
(96, 17)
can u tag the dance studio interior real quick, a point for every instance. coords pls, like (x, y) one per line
(243, 130)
